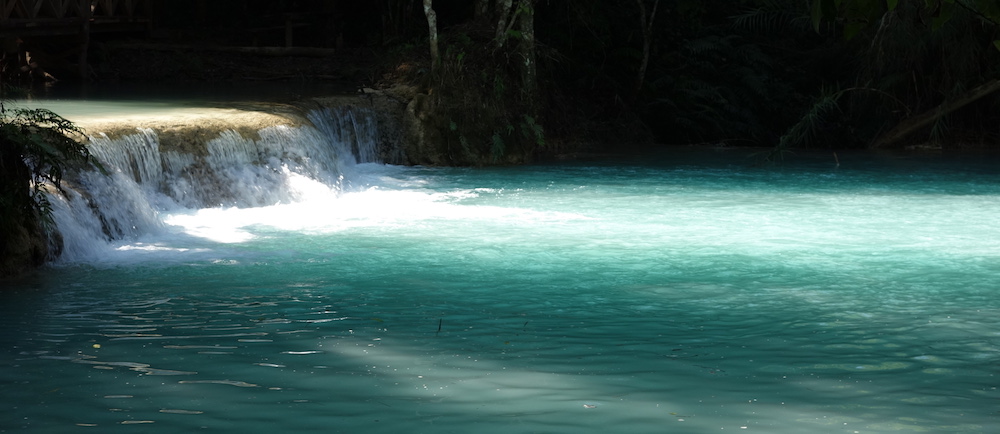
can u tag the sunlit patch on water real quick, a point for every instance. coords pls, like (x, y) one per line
(636, 297)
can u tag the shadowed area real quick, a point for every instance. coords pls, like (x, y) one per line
(679, 294)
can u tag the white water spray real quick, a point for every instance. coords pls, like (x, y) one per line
(149, 181)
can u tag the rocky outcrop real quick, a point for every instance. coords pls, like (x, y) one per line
(24, 248)
(424, 140)
(408, 125)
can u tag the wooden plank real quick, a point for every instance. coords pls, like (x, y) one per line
(6, 7)
(38, 17)
(82, 8)
(38, 23)
(36, 8)
(55, 8)
(19, 10)
(259, 51)
(101, 8)
(108, 8)
(84, 70)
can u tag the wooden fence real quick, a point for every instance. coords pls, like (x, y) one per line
(77, 19)
(56, 17)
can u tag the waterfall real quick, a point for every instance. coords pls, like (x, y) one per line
(349, 127)
(148, 173)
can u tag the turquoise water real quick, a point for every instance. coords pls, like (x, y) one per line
(681, 292)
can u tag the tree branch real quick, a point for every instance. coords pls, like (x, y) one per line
(910, 125)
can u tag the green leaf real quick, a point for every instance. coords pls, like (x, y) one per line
(992, 11)
(824, 10)
(43, 147)
(852, 29)
(817, 14)
(830, 8)
(997, 44)
(892, 4)
(944, 14)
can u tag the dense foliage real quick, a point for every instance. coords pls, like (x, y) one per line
(787, 73)
(36, 148)
(926, 70)
(814, 73)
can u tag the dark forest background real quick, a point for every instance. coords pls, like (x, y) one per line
(735, 73)
(788, 73)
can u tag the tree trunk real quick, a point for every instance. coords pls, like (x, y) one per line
(503, 10)
(482, 8)
(84, 69)
(910, 125)
(526, 46)
(647, 40)
(432, 27)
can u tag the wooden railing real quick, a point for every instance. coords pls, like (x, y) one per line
(73, 21)
(26, 11)
(20, 17)
(120, 10)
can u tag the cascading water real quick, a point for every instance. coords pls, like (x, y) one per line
(356, 133)
(269, 279)
(144, 178)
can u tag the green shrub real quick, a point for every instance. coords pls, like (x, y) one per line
(37, 146)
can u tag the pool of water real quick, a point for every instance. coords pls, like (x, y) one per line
(82, 102)
(686, 291)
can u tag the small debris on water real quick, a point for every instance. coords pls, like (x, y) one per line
(179, 411)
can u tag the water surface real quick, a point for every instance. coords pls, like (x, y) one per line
(681, 292)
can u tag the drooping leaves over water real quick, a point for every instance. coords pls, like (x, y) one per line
(37, 147)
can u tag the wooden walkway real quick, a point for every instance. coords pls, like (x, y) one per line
(60, 17)
(76, 19)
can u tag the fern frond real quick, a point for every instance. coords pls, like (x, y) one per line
(770, 18)
(805, 131)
